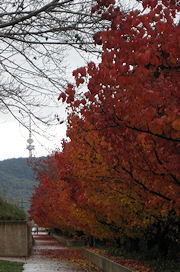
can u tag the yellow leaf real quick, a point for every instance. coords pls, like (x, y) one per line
(176, 124)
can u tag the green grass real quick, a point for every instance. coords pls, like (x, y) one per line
(6, 266)
(76, 247)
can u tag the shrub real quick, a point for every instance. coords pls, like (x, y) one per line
(10, 212)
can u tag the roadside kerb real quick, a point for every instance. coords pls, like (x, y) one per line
(103, 263)
(67, 242)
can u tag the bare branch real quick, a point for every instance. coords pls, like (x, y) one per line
(34, 35)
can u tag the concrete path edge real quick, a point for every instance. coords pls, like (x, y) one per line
(101, 262)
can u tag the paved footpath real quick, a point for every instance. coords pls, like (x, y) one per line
(48, 256)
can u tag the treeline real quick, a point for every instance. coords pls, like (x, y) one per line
(117, 177)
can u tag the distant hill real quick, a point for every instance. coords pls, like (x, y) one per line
(16, 181)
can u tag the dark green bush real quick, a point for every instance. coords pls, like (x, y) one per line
(10, 212)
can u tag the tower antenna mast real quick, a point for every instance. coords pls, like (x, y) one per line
(30, 147)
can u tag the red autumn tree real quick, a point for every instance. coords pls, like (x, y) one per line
(120, 170)
(61, 201)
(78, 192)
(104, 191)
(133, 99)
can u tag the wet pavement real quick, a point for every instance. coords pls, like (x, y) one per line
(48, 255)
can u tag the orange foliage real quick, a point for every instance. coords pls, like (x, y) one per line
(120, 170)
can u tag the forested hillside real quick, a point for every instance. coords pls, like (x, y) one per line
(16, 181)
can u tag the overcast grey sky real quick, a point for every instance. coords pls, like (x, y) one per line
(13, 136)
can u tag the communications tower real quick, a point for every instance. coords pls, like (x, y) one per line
(30, 141)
